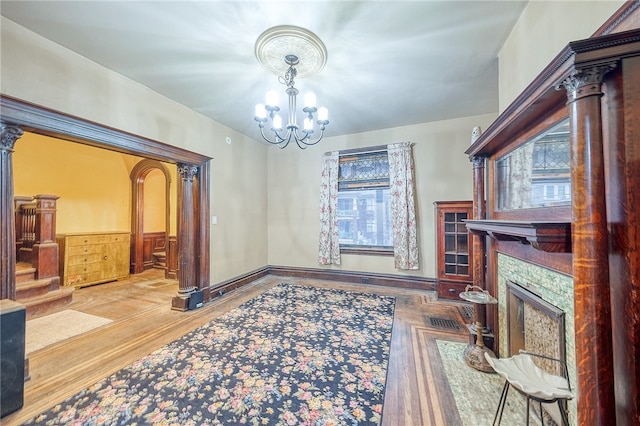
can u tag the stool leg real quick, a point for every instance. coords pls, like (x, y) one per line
(541, 414)
(563, 413)
(503, 400)
(528, 411)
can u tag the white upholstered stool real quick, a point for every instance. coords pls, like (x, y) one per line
(536, 384)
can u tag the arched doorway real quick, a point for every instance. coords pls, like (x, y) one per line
(140, 250)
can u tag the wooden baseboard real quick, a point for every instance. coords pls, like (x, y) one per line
(389, 280)
(392, 280)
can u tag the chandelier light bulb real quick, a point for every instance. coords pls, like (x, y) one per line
(308, 125)
(272, 98)
(310, 100)
(323, 114)
(277, 122)
(261, 111)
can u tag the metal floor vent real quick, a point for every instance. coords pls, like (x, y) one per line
(467, 312)
(159, 284)
(444, 323)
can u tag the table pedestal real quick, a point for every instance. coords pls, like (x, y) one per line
(474, 353)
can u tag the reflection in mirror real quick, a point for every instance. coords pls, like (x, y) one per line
(537, 173)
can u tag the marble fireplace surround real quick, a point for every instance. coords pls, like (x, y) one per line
(552, 287)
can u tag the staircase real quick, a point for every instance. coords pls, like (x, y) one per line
(160, 260)
(37, 284)
(40, 296)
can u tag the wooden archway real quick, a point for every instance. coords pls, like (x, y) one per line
(192, 195)
(138, 176)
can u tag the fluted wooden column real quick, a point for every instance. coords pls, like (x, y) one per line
(186, 238)
(594, 354)
(10, 134)
(478, 240)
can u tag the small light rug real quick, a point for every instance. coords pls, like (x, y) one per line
(292, 355)
(477, 393)
(45, 331)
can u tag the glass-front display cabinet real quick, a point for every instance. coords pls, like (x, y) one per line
(453, 248)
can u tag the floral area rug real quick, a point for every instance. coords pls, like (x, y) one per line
(293, 355)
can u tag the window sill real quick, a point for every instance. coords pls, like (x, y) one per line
(370, 251)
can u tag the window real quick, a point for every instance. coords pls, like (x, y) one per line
(367, 205)
(364, 206)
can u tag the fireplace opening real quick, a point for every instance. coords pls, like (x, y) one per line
(535, 325)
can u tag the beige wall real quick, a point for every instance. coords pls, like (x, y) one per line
(39, 71)
(543, 30)
(443, 172)
(155, 218)
(93, 184)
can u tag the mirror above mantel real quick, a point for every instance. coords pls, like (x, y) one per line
(537, 173)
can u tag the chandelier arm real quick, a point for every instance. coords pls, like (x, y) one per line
(278, 139)
(314, 142)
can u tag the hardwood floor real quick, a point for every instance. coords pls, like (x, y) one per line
(417, 391)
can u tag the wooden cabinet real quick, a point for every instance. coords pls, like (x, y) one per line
(93, 258)
(453, 243)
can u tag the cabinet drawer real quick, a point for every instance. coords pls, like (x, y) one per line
(84, 268)
(80, 240)
(73, 251)
(79, 280)
(451, 290)
(84, 259)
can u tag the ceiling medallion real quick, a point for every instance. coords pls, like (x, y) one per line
(273, 45)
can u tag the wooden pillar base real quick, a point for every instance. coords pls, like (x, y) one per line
(180, 303)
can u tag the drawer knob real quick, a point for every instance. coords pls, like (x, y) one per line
(452, 290)
(104, 258)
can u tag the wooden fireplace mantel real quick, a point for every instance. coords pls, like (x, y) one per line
(548, 236)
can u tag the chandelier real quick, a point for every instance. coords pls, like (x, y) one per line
(298, 44)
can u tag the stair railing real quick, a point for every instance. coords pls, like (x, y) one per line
(25, 213)
(35, 222)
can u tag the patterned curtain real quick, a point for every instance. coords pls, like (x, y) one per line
(329, 250)
(403, 212)
(519, 177)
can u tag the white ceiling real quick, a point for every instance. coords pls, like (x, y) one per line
(390, 63)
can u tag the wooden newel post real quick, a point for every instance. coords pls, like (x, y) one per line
(45, 249)
(594, 353)
(10, 134)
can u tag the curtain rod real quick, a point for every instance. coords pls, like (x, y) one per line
(367, 150)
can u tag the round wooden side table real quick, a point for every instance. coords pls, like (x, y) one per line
(474, 353)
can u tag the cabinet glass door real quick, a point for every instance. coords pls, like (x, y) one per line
(456, 244)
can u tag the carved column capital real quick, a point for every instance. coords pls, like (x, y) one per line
(187, 171)
(478, 161)
(10, 134)
(585, 82)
